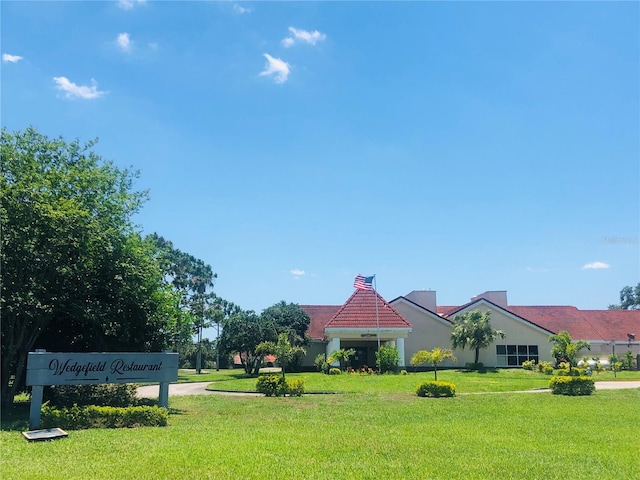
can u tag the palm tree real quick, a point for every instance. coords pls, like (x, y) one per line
(473, 329)
(341, 356)
(565, 349)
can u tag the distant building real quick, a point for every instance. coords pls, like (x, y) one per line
(415, 322)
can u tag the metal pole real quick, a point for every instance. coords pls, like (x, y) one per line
(375, 298)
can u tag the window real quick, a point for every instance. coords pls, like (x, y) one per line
(515, 355)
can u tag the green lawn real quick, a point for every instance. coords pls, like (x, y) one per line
(352, 436)
(503, 380)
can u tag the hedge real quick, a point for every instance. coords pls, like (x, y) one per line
(276, 386)
(436, 389)
(92, 416)
(113, 395)
(573, 386)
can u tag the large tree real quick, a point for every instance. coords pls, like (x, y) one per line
(288, 318)
(473, 329)
(76, 275)
(191, 279)
(629, 299)
(66, 216)
(242, 332)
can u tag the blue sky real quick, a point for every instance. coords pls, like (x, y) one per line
(459, 147)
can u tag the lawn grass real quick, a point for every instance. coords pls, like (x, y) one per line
(500, 380)
(353, 436)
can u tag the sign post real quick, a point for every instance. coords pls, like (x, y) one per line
(48, 368)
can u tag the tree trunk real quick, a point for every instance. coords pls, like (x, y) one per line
(477, 355)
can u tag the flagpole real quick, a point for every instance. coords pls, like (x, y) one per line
(375, 299)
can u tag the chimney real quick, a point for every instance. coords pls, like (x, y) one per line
(424, 298)
(499, 297)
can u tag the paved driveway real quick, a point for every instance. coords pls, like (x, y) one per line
(200, 388)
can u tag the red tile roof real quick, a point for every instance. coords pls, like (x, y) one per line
(266, 359)
(582, 324)
(359, 311)
(445, 310)
(320, 316)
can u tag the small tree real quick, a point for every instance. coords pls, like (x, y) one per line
(283, 351)
(473, 329)
(342, 356)
(627, 361)
(387, 359)
(435, 357)
(565, 349)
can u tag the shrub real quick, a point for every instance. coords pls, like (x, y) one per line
(271, 385)
(564, 385)
(545, 367)
(403, 372)
(529, 365)
(92, 416)
(321, 363)
(574, 372)
(276, 386)
(112, 394)
(628, 362)
(387, 359)
(335, 371)
(436, 389)
(295, 387)
(475, 366)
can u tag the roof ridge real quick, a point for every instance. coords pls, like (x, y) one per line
(386, 309)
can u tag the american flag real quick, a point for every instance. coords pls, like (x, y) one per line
(363, 283)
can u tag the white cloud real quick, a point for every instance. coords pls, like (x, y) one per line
(303, 36)
(595, 266)
(240, 10)
(124, 42)
(297, 273)
(6, 57)
(129, 4)
(276, 67)
(71, 90)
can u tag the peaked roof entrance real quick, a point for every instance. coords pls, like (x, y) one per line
(359, 311)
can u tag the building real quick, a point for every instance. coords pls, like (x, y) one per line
(415, 322)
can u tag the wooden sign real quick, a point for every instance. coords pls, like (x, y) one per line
(48, 368)
(55, 368)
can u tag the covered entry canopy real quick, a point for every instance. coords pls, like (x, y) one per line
(358, 318)
(356, 325)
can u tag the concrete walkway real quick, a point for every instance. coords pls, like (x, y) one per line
(200, 388)
(617, 385)
(197, 388)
